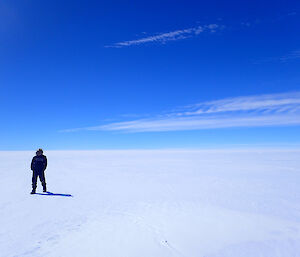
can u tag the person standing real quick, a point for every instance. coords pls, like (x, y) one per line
(38, 166)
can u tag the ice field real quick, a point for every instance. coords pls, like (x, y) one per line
(153, 203)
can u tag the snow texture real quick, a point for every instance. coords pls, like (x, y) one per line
(153, 203)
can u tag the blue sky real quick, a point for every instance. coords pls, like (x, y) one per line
(149, 74)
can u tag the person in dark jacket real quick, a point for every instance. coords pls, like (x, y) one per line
(38, 166)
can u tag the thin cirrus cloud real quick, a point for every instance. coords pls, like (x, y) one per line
(245, 111)
(169, 36)
(291, 56)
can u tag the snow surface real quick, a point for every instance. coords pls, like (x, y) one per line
(153, 203)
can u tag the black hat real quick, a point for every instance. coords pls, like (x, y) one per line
(40, 150)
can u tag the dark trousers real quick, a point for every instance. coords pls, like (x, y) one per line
(41, 175)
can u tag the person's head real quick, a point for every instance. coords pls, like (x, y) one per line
(39, 152)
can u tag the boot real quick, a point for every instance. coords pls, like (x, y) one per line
(44, 188)
(33, 191)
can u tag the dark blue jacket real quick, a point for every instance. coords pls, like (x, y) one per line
(39, 163)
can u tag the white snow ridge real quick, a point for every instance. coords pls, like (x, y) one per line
(153, 203)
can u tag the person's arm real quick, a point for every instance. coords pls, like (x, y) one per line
(45, 163)
(32, 163)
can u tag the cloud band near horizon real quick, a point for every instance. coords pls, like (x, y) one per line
(245, 111)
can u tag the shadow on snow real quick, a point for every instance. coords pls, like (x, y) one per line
(53, 194)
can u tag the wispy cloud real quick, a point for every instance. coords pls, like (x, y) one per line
(245, 111)
(169, 36)
(291, 56)
(277, 103)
